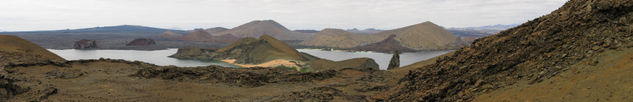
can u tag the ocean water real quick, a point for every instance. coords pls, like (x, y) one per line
(160, 57)
(381, 58)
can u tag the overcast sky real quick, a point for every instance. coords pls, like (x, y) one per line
(21, 15)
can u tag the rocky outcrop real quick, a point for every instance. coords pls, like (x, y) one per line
(85, 44)
(141, 42)
(395, 60)
(388, 45)
(534, 51)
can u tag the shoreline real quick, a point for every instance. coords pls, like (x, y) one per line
(270, 64)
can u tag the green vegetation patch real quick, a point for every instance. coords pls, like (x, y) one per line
(286, 67)
(305, 70)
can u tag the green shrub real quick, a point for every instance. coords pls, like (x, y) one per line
(304, 70)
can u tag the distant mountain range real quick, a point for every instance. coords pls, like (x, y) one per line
(307, 31)
(108, 37)
(492, 27)
(205, 35)
(365, 31)
(106, 29)
(469, 34)
(422, 36)
(481, 31)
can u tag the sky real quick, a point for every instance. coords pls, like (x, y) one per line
(26, 15)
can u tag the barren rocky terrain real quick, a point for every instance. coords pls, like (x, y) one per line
(580, 52)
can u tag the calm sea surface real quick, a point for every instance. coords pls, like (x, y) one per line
(159, 57)
(381, 58)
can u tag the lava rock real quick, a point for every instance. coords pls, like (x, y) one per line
(85, 44)
(395, 61)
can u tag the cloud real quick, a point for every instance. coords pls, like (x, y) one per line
(295, 14)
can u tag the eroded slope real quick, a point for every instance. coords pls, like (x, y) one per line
(534, 51)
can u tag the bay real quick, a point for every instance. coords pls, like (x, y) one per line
(160, 57)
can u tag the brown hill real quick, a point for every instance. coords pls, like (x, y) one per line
(254, 51)
(141, 42)
(15, 50)
(204, 36)
(215, 30)
(265, 27)
(197, 35)
(337, 38)
(388, 45)
(535, 51)
(170, 35)
(423, 36)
